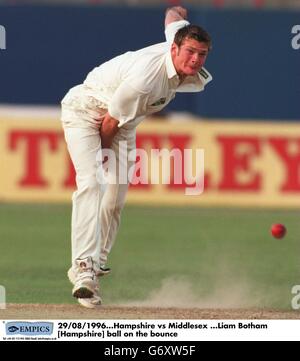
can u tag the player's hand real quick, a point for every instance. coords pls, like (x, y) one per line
(179, 11)
(175, 13)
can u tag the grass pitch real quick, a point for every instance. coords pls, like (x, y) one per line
(185, 257)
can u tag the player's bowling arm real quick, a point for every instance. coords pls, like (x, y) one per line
(175, 13)
(109, 128)
(174, 20)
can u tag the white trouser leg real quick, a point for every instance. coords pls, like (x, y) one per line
(110, 214)
(83, 145)
(115, 194)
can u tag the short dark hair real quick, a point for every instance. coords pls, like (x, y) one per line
(192, 32)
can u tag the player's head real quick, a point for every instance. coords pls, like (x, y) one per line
(189, 49)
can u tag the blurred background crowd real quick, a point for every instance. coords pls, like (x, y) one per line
(212, 3)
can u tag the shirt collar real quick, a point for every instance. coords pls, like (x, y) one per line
(171, 71)
(195, 83)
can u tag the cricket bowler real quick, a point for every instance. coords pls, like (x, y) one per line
(104, 111)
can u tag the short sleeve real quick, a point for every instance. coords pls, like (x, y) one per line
(127, 103)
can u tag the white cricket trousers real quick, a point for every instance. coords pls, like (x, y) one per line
(96, 208)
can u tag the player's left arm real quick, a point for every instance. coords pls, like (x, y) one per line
(109, 128)
(130, 99)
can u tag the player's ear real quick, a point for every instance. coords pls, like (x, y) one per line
(174, 49)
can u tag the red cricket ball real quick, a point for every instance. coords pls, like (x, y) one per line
(278, 230)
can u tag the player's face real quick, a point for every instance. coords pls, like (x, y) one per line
(190, 57)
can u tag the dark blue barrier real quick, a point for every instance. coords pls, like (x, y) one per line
(256, 71)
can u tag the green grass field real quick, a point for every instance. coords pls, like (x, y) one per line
(203, 257)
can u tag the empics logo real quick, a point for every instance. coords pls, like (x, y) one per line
(296, 39)
(2, 38)
(29, 328)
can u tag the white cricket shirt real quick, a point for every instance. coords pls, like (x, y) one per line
(132, 85)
